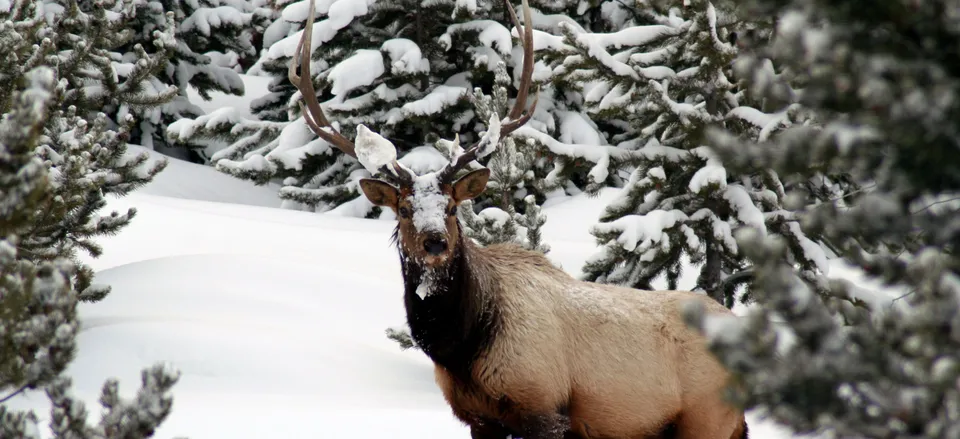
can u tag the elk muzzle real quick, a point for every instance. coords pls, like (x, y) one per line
(435, 245)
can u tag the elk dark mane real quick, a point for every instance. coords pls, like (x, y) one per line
(456, 323)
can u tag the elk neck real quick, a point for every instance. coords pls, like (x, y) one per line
(455, 322)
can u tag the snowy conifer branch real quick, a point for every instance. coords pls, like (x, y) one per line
(859, 159)
(60, 158)
(656, 88)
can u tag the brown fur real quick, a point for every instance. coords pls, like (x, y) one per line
(567, 343)
(600, 360)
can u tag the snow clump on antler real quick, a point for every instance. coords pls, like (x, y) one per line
(374, 151)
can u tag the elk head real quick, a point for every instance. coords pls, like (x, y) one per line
(427, 211)
(425, 205)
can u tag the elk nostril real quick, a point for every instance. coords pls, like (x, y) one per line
(435, 246)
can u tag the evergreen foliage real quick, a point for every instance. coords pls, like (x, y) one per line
(657, 83)
(884, 83)
(407, 70)
(57, 165)
(84, 44)
(511, 171)
(402, 336)
(82, 148)
(214, 39)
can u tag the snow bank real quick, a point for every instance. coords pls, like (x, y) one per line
(182, 179)
(567, 229)
(295, 345)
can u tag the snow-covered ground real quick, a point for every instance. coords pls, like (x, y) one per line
(275, 318)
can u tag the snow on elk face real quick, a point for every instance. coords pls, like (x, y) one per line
(426, 211)
(425, 205)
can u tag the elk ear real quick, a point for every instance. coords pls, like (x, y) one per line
(380, 193)
(471, 185)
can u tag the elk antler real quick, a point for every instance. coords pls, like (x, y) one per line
(516, 116)
(313, 114)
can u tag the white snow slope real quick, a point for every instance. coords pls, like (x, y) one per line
(275, 318)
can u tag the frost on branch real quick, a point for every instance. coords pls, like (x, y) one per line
(58, 163)
(880, 115)
(658, 86)
(87, 163)
(491, 225)
(91, 46)
(502, 220)
(411, 81)
(82, 148)
(825, 366)
(214, 42)
(34, 347)
(402, 336)
(137, 418)
(509, 213)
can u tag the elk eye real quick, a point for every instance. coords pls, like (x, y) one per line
(404, 212)
(453, 210)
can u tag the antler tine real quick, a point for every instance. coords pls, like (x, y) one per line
(313, 114)
(401, 175)
(516, 116)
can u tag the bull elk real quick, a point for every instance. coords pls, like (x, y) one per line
(519, 346)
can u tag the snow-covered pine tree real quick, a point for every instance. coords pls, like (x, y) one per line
(214, 38)
(887, 93)
(39, 295)
(406, 69)
(392, 66)
(657, 86)
(55, 169)
(511, 171)
(104, 61)
(84, 150)
(85, 40)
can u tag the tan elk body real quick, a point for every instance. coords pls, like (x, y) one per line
(619, 363)
(521, 347)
